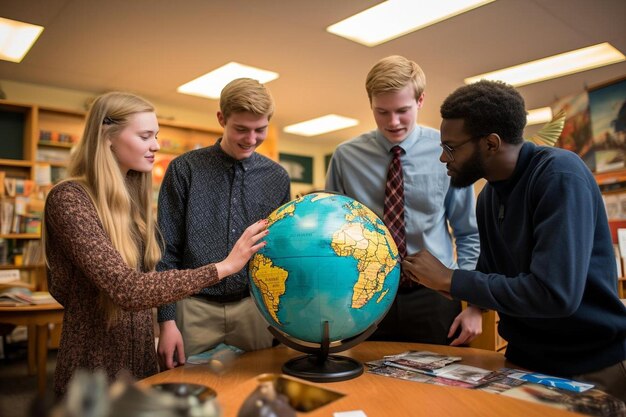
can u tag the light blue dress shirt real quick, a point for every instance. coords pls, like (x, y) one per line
(358, 169)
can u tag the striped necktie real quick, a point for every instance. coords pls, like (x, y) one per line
(393, 212)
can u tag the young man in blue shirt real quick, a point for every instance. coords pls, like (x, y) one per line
(358, 169)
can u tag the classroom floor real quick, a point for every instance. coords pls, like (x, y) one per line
(18, 390)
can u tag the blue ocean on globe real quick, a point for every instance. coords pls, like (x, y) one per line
(330, 259)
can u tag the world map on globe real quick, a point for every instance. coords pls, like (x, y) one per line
(330, 259)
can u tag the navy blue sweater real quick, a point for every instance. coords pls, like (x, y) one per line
(547, 266)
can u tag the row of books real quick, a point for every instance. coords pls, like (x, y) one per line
(615, 204)
(57, 137)
(13, 187)
(19, 296)
(28, 253)
(20, 215)
(432, 368)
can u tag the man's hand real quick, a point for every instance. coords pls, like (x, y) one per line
(471, 322)
(170, 350)
(425, 269)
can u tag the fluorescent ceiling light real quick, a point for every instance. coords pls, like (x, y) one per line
(394, 18)
(16, 39)
(536, 116)
(323, 124)
(211, 84)
(555, 66)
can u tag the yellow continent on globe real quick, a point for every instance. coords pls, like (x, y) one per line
(376, 259)
(270, 280)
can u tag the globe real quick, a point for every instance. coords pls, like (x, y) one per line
(329, 270)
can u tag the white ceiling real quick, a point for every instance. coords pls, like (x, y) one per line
(153, 46)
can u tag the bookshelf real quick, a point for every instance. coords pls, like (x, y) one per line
(613, 187)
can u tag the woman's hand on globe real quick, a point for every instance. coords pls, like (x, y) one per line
(247, 245)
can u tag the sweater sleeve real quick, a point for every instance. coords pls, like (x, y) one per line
(562, 244)
(74, 225)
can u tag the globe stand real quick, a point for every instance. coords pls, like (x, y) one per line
(318, 365)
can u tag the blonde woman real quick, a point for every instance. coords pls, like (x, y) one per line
(102, 246)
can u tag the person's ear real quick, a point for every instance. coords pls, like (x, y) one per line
(493, 142)
(221, 119)
(420, 101)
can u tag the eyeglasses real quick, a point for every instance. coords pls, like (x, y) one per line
(449, 150)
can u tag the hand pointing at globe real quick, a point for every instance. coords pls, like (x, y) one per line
(247, 245)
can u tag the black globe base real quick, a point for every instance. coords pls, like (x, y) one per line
(319, 365)
(332, 368)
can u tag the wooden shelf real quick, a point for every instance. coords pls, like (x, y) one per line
(16, 163)
(21, 267)
(64, 145)
(21, 236)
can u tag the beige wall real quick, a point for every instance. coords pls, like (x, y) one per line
(78, 100)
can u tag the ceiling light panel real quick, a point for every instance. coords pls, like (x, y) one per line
(210, 85)
(16, 39)
(320, 125)
(394, 18)
(555, 66)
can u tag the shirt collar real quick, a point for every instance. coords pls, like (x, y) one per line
(406, 144)
(229, 161)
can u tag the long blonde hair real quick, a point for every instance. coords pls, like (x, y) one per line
(122, 203)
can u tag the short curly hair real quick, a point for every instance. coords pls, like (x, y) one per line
(488, 107)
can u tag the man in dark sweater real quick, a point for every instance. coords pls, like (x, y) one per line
(546, 263)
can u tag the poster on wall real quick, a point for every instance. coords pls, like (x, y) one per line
(576, 135)
(299, 168)
(607, 108)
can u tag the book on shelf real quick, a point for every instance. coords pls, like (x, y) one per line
(53, 155)
(18, 295)
(621, 242)
(43, 174)
(20, 215)
(14, 187)
(9, 275)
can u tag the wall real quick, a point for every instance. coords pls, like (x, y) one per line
(77, 100)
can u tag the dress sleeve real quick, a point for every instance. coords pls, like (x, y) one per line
(73, 221)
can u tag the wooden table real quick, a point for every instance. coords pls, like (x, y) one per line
(36, 318)
(375, 395)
